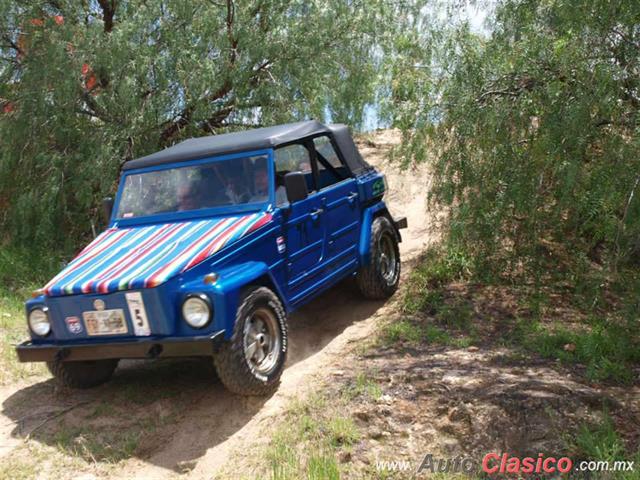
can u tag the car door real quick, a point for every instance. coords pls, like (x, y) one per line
(338, 194)
(304, 233)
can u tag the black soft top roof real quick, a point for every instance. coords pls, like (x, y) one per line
(255, 139)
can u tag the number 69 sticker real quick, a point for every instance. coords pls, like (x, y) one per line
(138, 314)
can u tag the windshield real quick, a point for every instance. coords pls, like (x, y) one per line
(216, 184)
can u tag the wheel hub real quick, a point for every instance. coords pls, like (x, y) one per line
(262, 341)
(387, 259)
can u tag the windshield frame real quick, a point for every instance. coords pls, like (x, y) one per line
(199, 213)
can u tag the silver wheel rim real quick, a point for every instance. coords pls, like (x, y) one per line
(262, 341)
(387, 259)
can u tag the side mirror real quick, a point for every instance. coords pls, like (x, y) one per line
(107, 208)
(295, 185)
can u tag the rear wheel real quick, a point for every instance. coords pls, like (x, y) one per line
(251, 362)
(84, 374)
(379, 279)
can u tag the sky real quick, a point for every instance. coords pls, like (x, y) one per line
(475, 12)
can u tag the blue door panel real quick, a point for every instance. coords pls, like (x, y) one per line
(304, 235)
(323, 234)
(342, 220)
(329, 277)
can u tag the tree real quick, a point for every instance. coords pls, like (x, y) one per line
(87, 85)
(535, 130)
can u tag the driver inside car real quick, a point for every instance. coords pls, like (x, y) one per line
(187, 197)
(261, 188)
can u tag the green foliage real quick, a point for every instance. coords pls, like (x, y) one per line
(96, 445)
(21, 272)
(437, 267)
(85, 86)
(402, 331)
(363, 386)
(534, 133)
(415, 333)
(608, 349)
(307, 444)
(602, 442)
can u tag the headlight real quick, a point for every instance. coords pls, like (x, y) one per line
(196, 310)
(39, 322)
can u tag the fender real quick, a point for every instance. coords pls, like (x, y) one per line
(369, 214)
(226, 291)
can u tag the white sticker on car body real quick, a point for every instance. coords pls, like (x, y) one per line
(138, 314)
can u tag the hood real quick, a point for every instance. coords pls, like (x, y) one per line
(147, 256)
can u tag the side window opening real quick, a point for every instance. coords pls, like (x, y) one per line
(330, 169)
(292, 158)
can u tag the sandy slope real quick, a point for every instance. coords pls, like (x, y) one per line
(208, 425)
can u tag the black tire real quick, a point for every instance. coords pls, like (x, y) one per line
(84, 374)
(379, 280)
(245, 376)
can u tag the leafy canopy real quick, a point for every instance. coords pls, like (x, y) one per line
(533, 132)
(87, 85)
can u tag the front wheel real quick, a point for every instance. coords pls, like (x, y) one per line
(252, 361)
(379, 279)
(82, 374)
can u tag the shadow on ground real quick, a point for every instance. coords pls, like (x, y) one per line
(151, 403)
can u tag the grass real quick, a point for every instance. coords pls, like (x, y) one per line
(363, 386)
(601, 442)
(87, 438)
(607, 349)
(34, 460)
(414, 332)
(113, 428)
(433, 318)
(574, 325)
(13, 330)
(342, 431)
(103, 446)
(16, 468)
(313, 435)
(437, 267)
(21, 272)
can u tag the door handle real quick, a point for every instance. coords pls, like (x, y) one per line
(352, 197)
(316, 213)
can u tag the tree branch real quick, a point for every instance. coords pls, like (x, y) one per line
(108, 11)
(172, 127)
(233, 41)
(12, 44)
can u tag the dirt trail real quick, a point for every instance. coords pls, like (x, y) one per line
(205, 424)
(320, 334)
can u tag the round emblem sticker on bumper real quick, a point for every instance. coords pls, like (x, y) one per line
(74, 325)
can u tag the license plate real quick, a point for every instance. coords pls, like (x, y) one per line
(105, 322)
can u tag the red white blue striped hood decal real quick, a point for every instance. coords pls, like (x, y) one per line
(147, 256)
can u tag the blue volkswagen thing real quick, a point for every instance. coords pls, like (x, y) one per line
(210, 245)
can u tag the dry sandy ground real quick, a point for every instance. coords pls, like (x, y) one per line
(179, 420)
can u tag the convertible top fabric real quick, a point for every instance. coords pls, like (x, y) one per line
(255, 139)
(344, 140)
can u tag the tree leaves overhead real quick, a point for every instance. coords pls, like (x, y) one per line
(89, 84)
